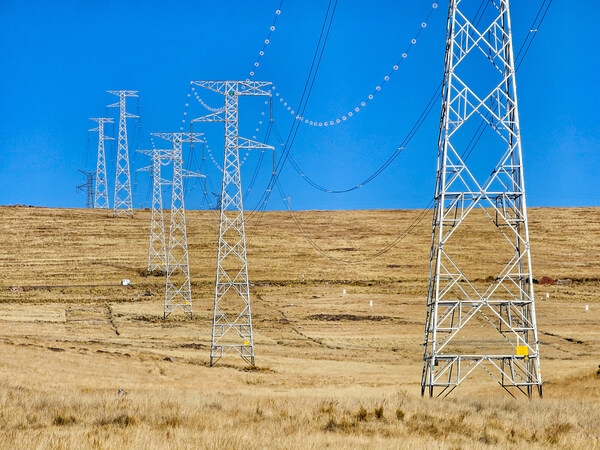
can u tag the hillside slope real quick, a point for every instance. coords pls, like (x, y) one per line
(331, 370)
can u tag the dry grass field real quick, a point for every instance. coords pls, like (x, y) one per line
(331, 371)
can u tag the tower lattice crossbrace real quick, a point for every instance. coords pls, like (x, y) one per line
(480, 224)
(88, 187)
(122, 201)
(232, 318)
(178, 293)
(101, 193)
(157, 254)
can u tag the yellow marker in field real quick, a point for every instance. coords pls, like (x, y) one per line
(522, 350)
(246, 343)
(187, 303)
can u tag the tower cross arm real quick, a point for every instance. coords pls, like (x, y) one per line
(124, 93)
(103, 137)
(253, 87)
(250, 144)
(159, 152)
(247, 87)
(190, 174)
(183, 137)
(213, 117)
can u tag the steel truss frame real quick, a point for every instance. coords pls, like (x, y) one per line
(454, 300)
(157, 253)
(123, 203)
(178, 293)
(232, 330)
(88, 186)
(101, 193)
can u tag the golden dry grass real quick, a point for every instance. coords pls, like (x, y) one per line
(331, 371)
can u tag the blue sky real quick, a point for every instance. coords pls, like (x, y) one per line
(59, 58)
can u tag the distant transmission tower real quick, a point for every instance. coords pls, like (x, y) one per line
(480, 89)
(122, 200)
(178, 293)
(157, 255)
(232, 319)
(89, 188)
(101, 196)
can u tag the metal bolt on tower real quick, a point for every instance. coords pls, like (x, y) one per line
(122, 200)
(101, 195)
(178, 293)
(232, 319)
(480, 285)
(157, 254)
(89, 188)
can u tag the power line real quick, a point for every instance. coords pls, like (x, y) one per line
(465, 156)
(303, 100)
(362, 104)
(417, 125)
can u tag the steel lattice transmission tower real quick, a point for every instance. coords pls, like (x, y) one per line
(232, 319)
(101, 194)
(157, 255)
(493, 316)
(178, 293)
(123, 200)
(88, 187)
